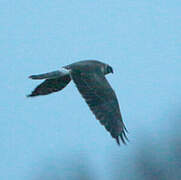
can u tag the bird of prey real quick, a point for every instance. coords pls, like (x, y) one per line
(89, 78)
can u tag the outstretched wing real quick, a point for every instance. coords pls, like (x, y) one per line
(50, 86)
(102, 101)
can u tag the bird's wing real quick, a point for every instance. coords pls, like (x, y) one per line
(50, 85)
(102, 101)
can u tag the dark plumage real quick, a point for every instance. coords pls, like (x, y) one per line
(89, 78)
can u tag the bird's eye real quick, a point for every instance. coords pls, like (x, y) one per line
(109, 69)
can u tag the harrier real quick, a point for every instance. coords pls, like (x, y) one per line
(89, 78)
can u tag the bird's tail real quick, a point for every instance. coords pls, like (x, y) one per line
(54, 81)
(50, 75)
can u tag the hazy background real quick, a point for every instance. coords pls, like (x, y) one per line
(56, 137)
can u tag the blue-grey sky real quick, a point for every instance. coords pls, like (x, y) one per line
(140, 39)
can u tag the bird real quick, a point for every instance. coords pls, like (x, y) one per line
(89, 78)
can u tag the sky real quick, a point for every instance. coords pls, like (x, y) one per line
(56, 136)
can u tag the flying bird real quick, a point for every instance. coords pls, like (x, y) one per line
(89, 78)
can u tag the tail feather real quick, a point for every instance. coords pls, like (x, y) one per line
(49, 75)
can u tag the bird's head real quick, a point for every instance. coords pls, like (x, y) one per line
(108, 69)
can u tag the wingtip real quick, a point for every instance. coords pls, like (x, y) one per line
(30, 95)
(123, 137)
(117, 140)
